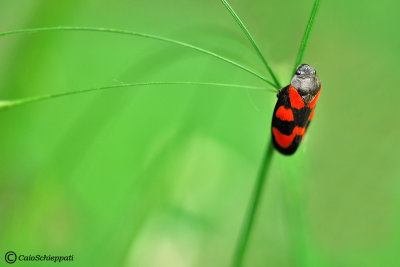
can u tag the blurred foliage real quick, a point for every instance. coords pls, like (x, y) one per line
(162, 176)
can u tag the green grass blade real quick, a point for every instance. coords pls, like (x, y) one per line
(247, 226)
(13, 103)
(252, 41)
(143, 35)
(306, 35)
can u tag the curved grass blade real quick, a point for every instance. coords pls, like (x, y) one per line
(252, 41)
(13, 103)
(306, 35)
(143, 35)
(247, 226)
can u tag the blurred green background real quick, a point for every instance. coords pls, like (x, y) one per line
(161, 176)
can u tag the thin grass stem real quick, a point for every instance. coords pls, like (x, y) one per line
(248, 222)
(306, 35)
(253, 42)
(143, 35)
(262, 175)
(18, 102)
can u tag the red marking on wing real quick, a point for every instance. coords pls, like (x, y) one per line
(314, 101)
(285, 141)
(311, 115)
(295, 99)
(284, 114)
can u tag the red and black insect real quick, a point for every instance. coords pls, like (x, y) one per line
(295, 109)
